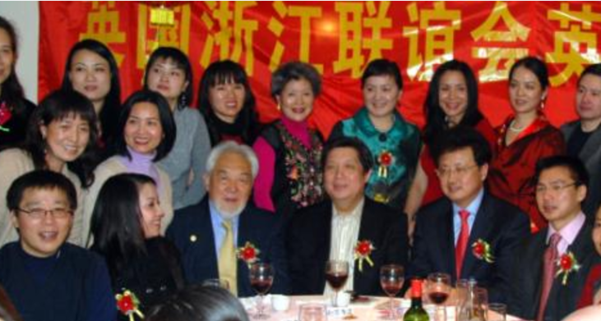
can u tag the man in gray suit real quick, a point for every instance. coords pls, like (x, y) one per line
(583, 136)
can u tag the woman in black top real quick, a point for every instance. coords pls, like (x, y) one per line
(228, 104)
(14, 108)
(126, 227)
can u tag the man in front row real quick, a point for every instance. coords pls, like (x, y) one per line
(546, 283)
(45, 277)
(222, 234)
(468, 233)
(331, 230)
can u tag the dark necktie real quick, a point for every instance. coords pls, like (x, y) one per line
(550, 258)
(464, 235)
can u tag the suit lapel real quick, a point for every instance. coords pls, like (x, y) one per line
(206, 231)
(368, 230)
(480, 230)
(322, 239)
(245, 228)
(446, 241)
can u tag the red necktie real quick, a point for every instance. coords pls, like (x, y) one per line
(464, 235)
(549, 267)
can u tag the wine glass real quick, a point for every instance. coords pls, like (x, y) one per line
(261, 279)
(439, 287)
(336, 275)
(391, 280)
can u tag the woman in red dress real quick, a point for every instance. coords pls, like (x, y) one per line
(524, 138)
(452, 100)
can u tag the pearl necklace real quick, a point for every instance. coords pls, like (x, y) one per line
(515, 129)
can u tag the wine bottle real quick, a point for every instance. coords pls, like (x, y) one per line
(416, 312)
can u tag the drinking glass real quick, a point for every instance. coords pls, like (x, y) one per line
(497, 312)
(312, 312)
(336, 275)
(218, 283)
(481, 303)
(391, 280)
(439, 287)
(261, 279)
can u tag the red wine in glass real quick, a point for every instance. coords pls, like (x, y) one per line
(261, 286)
(438, 297)
(392, 288)
(336, 280)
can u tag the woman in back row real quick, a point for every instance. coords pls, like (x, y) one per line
(524, 138)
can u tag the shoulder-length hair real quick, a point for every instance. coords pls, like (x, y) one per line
(218, 73)
(112, 102)
(12, 91)
(116, 220)
(165, 117)
(182, 62)
(56, 106)
(435, 116)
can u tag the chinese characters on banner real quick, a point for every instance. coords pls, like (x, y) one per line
(339, 38)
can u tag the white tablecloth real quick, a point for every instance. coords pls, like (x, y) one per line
(375, 309)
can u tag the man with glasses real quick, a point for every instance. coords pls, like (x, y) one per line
(47, 278)
(553, 263)
(468, 233)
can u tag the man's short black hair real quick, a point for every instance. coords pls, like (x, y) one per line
(365, 157)
(40, 179)
(574, 165)
(461, 137)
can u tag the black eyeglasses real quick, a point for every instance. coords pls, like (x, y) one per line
(39, 213)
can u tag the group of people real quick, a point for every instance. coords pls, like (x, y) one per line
(149, 196)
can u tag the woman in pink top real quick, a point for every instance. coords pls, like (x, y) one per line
(290, 174)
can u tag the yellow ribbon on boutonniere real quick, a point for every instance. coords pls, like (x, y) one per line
(481, 250)
(249, 253)
(129, 305)
(363, 250)
(567, 264)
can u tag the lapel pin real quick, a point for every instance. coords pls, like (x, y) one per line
(193, 238)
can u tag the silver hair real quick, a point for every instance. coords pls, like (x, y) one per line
(233, 147)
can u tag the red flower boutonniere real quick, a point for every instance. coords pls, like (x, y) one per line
(481, 250)
(249, 253)
(567, 264)
(129, 305)
(5, 116)
(362, 251)
(385, 159)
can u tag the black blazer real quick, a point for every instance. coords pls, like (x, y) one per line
(192, 233)
(308, 246)
(499, 223)
(526, 286)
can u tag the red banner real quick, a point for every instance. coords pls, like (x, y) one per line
(339, 38)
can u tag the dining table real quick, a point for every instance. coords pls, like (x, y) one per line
(367, 308)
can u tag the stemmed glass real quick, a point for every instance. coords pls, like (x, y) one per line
(261, 279)
(439, 288)
(391, 280)
(336, 275)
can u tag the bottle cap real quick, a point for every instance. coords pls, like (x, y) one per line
(416, 288)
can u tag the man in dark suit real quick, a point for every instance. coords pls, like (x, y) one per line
(452, 234)
(583, 136)
(331, 229)
(213, 234)
(541, 287)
